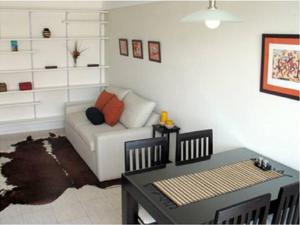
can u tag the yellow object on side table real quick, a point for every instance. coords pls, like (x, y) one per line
(169, 124)
(163, 117)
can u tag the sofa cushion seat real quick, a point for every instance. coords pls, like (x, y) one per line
(88, 131)
(77, 119)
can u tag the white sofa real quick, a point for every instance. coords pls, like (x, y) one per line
(102, 146)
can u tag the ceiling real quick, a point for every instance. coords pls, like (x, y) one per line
(79, 4)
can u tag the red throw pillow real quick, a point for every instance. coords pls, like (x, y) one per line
(103, 99)
(113, 110)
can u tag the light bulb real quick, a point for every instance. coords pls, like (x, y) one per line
(212, 24)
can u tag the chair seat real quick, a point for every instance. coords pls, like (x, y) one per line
(144, 216)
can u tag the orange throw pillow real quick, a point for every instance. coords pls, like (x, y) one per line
(103, 99)
(113, 110)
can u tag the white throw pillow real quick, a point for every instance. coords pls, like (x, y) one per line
(153, 119)
(119, 92)
(136, 111)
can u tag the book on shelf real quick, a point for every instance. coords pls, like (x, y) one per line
(92, 65)
(50, 67)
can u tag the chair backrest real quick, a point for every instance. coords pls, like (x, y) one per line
(287, 211)
(145, 154)
(254, 211)
(194, 146)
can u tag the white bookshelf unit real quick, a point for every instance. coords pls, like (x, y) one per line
(52, 88)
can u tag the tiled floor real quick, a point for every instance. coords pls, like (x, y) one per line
(87, 205)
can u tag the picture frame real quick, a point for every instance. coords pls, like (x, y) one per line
(137, 49)
(280, 60)
(123, 46)
(154, 51)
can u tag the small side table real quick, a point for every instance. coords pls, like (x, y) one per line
(165, 131)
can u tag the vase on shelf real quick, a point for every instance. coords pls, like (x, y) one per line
(76, 52)
(75, 62)
(46, 33)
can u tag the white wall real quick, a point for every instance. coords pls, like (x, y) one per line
(210, 78)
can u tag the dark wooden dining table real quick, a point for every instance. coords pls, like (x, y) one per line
(138, 189)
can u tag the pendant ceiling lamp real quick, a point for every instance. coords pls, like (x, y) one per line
(212, 17)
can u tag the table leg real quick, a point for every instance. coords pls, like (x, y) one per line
(129, 207)
(153, 133)
(168, 147)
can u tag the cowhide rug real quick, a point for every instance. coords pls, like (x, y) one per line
(39, 171)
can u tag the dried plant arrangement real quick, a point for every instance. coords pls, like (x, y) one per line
(76, 52)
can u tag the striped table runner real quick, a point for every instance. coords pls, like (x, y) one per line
(194, 187)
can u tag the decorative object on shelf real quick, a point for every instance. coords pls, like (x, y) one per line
(137, 49)
(46, 33)
(3, 87)
(50, 67)
(169, 124)
(123, 46)
(23, 86)
(163, 117)
(212, 17)
(93, 65)
(76, 53)
(14, 45)
(280, 73)
(154, 51)
(262, 163)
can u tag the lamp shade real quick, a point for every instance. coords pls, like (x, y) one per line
(212, 15)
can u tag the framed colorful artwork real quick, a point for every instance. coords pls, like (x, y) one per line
(280, 69)
(137, 49)
(123, 45)
(154, 51)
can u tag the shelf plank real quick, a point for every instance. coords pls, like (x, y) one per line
(57, 88)
(86, 86)
(85, 21)
(41, 119)
(54, 38)
(16, 52)
(11, 10)
(15, 71)
(17, 104)
(55, 69)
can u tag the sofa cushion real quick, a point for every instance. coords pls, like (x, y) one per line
(153, 119)
(77, 119)
(95, 115)
(88, 131)
(103, 99)
(119, 92)
(137, 111)
(113, 110)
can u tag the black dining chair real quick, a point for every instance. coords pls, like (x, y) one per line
(254, 211)
(194, 146)
(287, 211)
(145, 155)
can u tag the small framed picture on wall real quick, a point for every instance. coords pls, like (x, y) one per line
(154, 51)
(123, 46)
(280, 73)
(137, 49)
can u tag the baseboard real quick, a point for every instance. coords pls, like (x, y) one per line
(109, 183)
(31, 125)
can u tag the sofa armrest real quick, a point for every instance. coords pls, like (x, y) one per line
(77, 106)
(110, 150)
